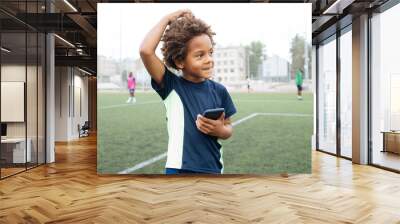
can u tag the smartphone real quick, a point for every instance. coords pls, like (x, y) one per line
(213, 113)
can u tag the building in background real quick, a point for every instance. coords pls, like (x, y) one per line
(230, 64)
(108, 72)
(275, 69)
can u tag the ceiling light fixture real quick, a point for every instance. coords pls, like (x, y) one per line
(65, 41)
(70, 5)
(338, 6)
(5, 49)
(86, 72)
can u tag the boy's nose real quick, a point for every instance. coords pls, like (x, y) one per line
(209, 59)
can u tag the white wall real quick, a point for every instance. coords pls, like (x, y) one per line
(71, 93)
(80, 100)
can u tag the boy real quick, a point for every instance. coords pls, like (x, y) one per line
(193, 145)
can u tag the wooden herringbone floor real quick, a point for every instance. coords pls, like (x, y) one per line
(70, 191)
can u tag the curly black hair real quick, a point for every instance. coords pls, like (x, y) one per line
(178, 34)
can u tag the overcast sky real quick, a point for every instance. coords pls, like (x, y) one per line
(123, 25)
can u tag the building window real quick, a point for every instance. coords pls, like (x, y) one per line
(385, 88)
(327, 96)
(346, 94)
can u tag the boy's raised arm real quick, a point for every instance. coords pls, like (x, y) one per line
(153, 64)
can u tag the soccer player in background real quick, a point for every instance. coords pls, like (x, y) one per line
(299, 83)
(131, 87)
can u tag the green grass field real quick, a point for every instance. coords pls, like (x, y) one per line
(264, 144)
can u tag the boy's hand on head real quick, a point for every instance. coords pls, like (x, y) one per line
(180, 13)
(211, 127)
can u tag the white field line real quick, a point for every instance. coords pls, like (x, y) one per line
(143, 164)
(244, 119)
(151, 102)
(129, 104)
(267, 101)
(286, 114)
(163, 155)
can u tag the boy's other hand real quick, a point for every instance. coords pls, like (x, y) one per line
(211, 127)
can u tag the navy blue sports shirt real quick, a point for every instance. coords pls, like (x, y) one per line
(188, 148)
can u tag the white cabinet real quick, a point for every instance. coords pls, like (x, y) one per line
(18, 149)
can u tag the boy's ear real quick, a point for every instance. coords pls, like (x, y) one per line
(179, 64)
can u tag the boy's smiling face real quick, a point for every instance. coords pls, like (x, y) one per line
(198, 63)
